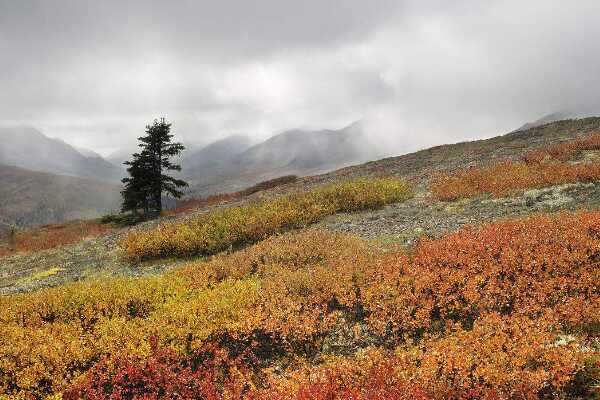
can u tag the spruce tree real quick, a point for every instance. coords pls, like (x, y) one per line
(136, 191)
(147, 179)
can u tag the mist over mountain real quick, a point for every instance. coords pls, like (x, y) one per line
(87, 152)
(218, 154)
(304, 150)
(31, 198)
(28, 148)
(548, 118)
(298, 152)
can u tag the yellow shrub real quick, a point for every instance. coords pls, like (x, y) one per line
(218, 231)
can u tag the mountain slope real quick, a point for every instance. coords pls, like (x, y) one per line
(547, 119)
(28, 148)
(299, 152)
(31, 198)
(401, 223)
(218, 153)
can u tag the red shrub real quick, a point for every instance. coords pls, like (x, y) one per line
(52, 236)
(563, 151)
(165, 374)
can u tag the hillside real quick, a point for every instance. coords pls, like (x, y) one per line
(295, 152)
(213, 158)
(28, 148)
(401, 223)
(463, 271)
(30, 198)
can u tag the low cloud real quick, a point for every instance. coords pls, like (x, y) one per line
(94, 73)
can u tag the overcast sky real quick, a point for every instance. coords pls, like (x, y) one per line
(417, 72)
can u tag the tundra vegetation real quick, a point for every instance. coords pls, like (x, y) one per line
(552, 165)
(507, 310)
(213, 232)
(279, 310)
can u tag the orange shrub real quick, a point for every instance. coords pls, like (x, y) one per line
(543, 266)
(540, 168)
(508, 177)
(499, 358)
(52, 236)
(563, 151)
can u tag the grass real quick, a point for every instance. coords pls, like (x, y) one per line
(220, 230)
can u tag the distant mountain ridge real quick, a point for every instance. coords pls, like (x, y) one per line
(547, 119)
(44, 180)
(298, 152)
(32, 198)
(26, 147)
(220, 152)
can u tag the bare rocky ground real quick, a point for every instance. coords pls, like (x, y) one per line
(405, 222)
(397, 223)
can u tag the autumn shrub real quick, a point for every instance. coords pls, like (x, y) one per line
(500, 358)
(563, 151)
(205, 374)
(50, 337)
(199, 202)
(507, 310)
(509, 177)
(269, 184)
(216, 231)
(195, 203)
(542, 167)
(540, 267)
(52, 236)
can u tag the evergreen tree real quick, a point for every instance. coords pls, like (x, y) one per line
(147, 179)
(136, 191)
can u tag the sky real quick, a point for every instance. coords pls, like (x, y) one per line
(417, 73)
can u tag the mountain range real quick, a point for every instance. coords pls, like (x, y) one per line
(26, 147)
(293, 152)
(45, 180)
(31, 198)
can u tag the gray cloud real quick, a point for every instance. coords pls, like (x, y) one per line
(420, 73)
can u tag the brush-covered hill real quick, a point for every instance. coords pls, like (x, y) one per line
(31, 198)
(463, 271)
(26, 147)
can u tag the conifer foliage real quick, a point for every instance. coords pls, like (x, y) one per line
(147, 181)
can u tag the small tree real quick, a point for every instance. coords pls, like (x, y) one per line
(147, 181)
